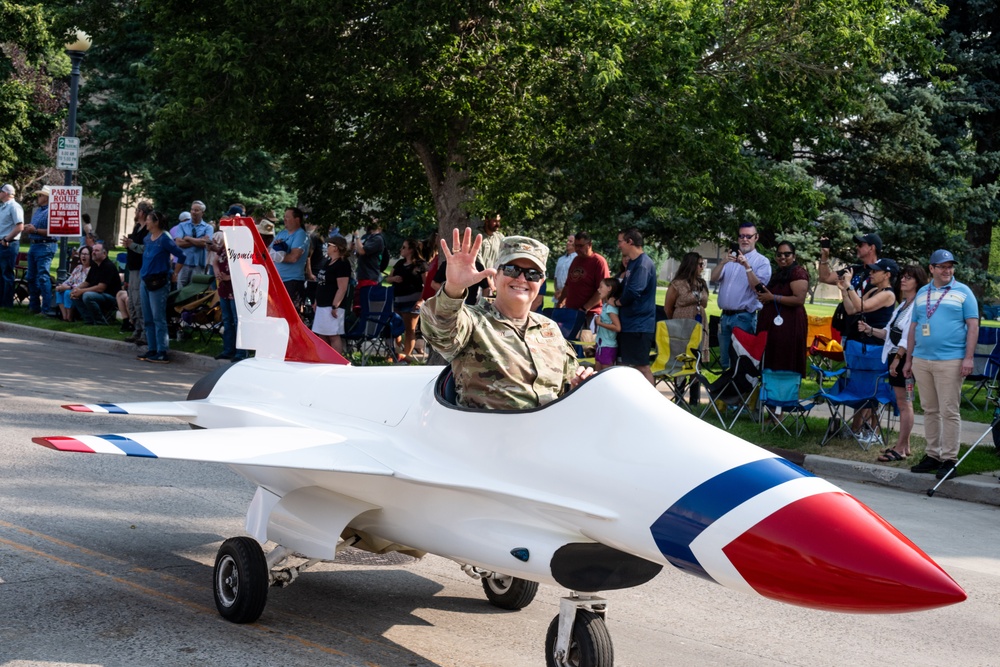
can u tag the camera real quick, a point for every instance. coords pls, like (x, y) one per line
(824, 243)
(841, 272)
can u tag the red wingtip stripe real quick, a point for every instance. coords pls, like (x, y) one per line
(77, 408)
(63, 444)
(303, 344)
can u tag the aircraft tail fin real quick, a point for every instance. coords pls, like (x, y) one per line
(268, 321)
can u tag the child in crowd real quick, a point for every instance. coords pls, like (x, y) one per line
(608, 324)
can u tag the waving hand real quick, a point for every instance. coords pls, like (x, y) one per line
(461, 272)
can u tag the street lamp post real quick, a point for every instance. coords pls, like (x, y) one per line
(77, 51)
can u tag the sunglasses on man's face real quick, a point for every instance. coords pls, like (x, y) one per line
(513, 271)
(783, 254)
(747, 237)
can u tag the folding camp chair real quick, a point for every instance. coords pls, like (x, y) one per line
(780, 405)
(377, 327)
(202, 316)
(986, 364)
(736, 389)
(570, 321)
(862, 384)
(678, 351)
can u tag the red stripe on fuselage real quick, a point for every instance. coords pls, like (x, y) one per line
(830, 552)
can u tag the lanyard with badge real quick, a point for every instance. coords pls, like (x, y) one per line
(926, 328)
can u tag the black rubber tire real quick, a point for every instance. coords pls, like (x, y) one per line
(590, 645)
(240, 580)
(510, 593)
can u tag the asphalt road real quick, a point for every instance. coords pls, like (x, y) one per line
(107, 561)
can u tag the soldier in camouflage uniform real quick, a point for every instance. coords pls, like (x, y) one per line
(504, 356)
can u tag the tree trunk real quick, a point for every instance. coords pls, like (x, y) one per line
(107, 225)
(447, 184)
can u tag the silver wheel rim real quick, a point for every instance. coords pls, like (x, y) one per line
(227, 581)
(500, 585)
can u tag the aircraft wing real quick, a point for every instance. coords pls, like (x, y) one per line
(270, 446)
(150, 409)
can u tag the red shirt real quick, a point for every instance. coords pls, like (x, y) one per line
(585, 275)
(429, 278)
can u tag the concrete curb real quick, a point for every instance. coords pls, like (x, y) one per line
(982, 488)
(186, 359)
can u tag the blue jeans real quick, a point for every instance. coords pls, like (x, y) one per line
(8, 259)
(154, 314)
(92, 305)
(39, 281)
(229, 324)
(745, 321)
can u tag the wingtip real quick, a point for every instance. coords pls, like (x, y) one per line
(63, 444)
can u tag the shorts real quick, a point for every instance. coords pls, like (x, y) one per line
(325, 324)
(606, 356)
(635, 347)
(899, 380)
(407, 308)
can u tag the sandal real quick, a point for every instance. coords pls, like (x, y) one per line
(891, 455)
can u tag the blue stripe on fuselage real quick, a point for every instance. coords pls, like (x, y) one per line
(112, 408)
(130, 447)
(680, 525)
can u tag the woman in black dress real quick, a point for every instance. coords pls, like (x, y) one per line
(783, 316)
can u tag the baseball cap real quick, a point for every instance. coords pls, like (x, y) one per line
(885, 265)
(870, 239)
(234, 210)
(941, 256)
(44, 190)
(523, 247)
(9, 189)
(184, 216)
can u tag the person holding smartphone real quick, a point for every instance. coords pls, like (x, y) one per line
(737, 298)
(783, 315)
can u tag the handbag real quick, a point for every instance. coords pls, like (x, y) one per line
(156, 281)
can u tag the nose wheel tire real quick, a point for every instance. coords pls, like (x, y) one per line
(509, 592)
(590, 644)
(240, 580)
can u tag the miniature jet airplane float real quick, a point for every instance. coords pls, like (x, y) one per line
(381, 459)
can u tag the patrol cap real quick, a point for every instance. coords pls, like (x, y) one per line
(870, 239)
(885, 265)
(941, 256)
(523, 247)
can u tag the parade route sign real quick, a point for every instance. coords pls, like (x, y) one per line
(65, 207)
(68, 153)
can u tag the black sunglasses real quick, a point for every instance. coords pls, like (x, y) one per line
(513, 271)
(783, 254)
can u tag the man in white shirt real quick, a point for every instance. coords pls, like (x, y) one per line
(11, 224)
(563, 263)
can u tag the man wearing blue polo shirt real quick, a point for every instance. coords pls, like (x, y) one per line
(737, 298)
(944, 329)
(40, 254)
(638, 304)
(193, 236)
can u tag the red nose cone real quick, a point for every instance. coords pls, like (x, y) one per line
(828, 551)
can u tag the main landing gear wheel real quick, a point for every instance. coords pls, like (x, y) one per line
(590, 643)
(509, 592)
(240, 580)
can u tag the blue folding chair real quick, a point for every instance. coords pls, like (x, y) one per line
(780, 405)
(986, 365)
(570, 321)
(377, 327)
(861, 384)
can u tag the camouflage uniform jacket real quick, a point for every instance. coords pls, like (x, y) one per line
(495, 368)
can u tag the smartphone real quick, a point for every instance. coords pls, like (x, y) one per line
(734, 250)
(841, 272)
(760, 288)
(824, 243)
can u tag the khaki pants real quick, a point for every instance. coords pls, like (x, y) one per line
(940, 385)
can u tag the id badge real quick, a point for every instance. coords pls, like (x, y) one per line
(926, 329)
